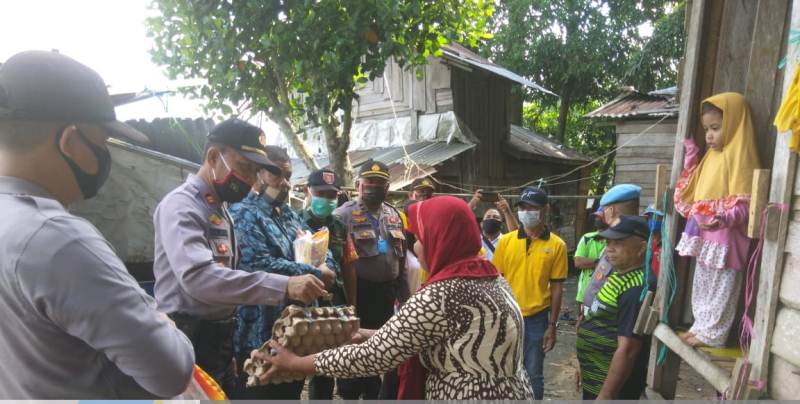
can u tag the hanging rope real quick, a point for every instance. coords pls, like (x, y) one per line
(672, 281)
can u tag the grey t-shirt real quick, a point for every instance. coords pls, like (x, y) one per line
(75, 323)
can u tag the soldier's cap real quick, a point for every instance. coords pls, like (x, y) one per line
(249, 140)
(372, 168)
(651, 210)
(626, 227)
(423, 182)
(621, 193)
(533, 196)
(40, 86)
(324, 180)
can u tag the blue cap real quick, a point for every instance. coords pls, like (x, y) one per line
(652, 210)
(620, 193)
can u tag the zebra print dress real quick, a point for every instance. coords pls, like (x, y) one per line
(469, 333)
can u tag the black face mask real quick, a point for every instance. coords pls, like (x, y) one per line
(491, 226)
(600, 224)
(233, 188)
(89, 184)
(374, 195)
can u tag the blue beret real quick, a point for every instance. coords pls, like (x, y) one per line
(620, 193)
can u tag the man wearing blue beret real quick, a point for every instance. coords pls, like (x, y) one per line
(620, 200)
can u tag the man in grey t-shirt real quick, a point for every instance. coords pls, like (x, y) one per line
(75, 323)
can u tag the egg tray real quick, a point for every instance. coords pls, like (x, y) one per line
(304, 331)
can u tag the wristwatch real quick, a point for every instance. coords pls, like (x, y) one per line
(554, 324)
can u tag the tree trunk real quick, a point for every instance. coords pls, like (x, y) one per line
(563, 114)
(603, 181)
(297, 144)
(338, 141)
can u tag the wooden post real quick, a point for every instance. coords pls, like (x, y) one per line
(784, 169)
(703, 19)
(715, 375)
(644, 314)
(662, 184)
(758, 201)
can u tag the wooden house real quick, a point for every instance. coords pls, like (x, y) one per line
(644, 125)
(738, 46)
(460, 122)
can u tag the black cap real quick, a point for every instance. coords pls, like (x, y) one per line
(41, 86)
(626, 227)
(533, 196)
(324, 180)
(372, 168)
(249, 140)
(423, 182)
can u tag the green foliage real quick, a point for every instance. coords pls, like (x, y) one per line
(655, 64)
(589, 137)
(302, 60)
(585, 50)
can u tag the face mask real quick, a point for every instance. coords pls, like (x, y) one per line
(322, 207)
(373, 195)
(89, 184)
(277, 195)
(529, 218)
(655, 225)
(491, 226)
(232, 188)
(599, 224)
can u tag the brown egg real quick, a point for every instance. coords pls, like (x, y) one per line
(300, 326)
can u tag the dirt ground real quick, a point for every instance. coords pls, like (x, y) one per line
(561, 363)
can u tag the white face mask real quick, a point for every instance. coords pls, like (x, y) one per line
(529, 218)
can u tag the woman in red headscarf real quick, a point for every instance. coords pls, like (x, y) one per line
(463, 323)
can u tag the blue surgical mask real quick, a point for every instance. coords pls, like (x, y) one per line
(322, 207)
(655, 225)
(529, 218)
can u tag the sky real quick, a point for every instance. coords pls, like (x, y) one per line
(108, 36)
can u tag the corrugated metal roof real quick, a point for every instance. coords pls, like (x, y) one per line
(530, 142)
(633, 104)
(461, 54)
(426, 155)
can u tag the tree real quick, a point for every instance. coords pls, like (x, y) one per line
(577, 48)
(300, 61)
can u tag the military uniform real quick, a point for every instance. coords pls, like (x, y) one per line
(197, 283)
(379, 245)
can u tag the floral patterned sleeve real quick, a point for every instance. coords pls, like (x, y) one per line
(690, 163)
(420, 324)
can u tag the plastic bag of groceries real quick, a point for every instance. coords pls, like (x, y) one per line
(310, 248)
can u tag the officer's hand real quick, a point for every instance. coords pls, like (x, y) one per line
(328, 276)
(305, 288)
(502, 205)
(476, 199)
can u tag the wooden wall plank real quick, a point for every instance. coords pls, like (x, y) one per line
(734, 47)
(763, 80)
(700, 19)
(631, 140)
(666, 127)
(784, 383)
(784, 339)
(790, 282)
(772, 257)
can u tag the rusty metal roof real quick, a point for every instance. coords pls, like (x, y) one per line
(461, 54)
(632, 104)
(402, 171)
(531, 143)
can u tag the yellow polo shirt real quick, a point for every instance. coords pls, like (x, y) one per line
(530, 265)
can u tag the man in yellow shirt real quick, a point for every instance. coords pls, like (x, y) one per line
(534, 261)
